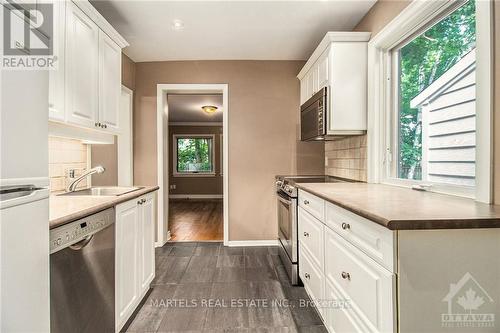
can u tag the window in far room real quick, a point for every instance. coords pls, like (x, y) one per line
(193, 155)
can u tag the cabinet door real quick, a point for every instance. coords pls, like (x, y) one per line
(303, 90)
(81, 67)
(358, 278)
(56, 77)
(146, 232)
(109, 82)
(127, 255)
(323, 70)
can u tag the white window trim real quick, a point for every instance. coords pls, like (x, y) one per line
(174, 156)
(415, 16)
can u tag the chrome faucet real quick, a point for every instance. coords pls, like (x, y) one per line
(72, 186)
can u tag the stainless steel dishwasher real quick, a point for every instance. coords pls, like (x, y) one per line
(82, 275)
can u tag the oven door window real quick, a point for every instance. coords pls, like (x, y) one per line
(284, 217)
(287, 211)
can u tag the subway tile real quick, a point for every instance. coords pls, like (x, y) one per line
(56, 170)
(363, 141)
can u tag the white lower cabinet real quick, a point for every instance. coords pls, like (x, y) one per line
(356, 293)
(313, 278)
(134, 256)
(363, 282)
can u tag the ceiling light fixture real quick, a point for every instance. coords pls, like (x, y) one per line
(177, 25)
(209, 109)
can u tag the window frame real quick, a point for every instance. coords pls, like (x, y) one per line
(175, 172)
(382, 109)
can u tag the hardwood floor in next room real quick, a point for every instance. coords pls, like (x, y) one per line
(196, 284)
(196, 220)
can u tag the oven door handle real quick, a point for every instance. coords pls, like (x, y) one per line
(285, 201)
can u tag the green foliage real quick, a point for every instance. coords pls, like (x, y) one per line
(421, 62)
(194, 155)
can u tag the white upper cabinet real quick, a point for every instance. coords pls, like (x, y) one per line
(85, 88)
(109, 82)
(82, 36)
(56, 76)
(339, 63)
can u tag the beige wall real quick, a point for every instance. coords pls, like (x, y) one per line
(193, 184)
(263, 133)
(128, 72)
(107, 155)
(347, 157)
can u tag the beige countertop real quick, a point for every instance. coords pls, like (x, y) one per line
(399, 208)
(64, 209)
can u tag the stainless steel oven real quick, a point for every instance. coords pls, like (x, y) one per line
(287, 233)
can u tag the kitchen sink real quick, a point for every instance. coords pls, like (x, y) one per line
(104, 191)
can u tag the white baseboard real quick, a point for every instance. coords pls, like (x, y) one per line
(195, 196)
(272, 242)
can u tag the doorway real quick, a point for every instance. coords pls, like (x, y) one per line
(192, 162)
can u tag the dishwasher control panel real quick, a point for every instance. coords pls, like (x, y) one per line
(76, 231)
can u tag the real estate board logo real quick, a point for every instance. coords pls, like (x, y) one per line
(28, 41)
(469, 305)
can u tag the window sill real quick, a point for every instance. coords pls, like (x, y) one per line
(181, 175)
(458, 191)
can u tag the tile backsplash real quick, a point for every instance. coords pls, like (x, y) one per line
(346, 158)
(64, 155)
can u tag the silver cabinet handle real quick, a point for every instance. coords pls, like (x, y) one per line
(306, 202)
(139, 202)
(307, 276)
(96, 124)
(345, 275)
(346, 226)
(306, 234)
(143, 200)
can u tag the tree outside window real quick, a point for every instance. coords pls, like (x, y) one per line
(420, 63)
(194, 154)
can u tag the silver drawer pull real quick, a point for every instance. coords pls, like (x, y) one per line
(307, 276)
(306, 202)
(346, 226)
(306, 234)
(346, 276)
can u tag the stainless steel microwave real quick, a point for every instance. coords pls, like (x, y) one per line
(314, 117)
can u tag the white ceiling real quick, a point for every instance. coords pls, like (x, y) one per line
(228, 30)
(187, 108)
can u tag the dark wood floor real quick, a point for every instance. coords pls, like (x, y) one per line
(196, 220)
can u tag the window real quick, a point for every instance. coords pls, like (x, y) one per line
(433, 102)
(194, 155)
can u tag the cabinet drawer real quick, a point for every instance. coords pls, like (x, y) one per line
(312, 204)
(311, 232)
(311, 276)
(340, 318)
(368, 285)
(373, 239)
